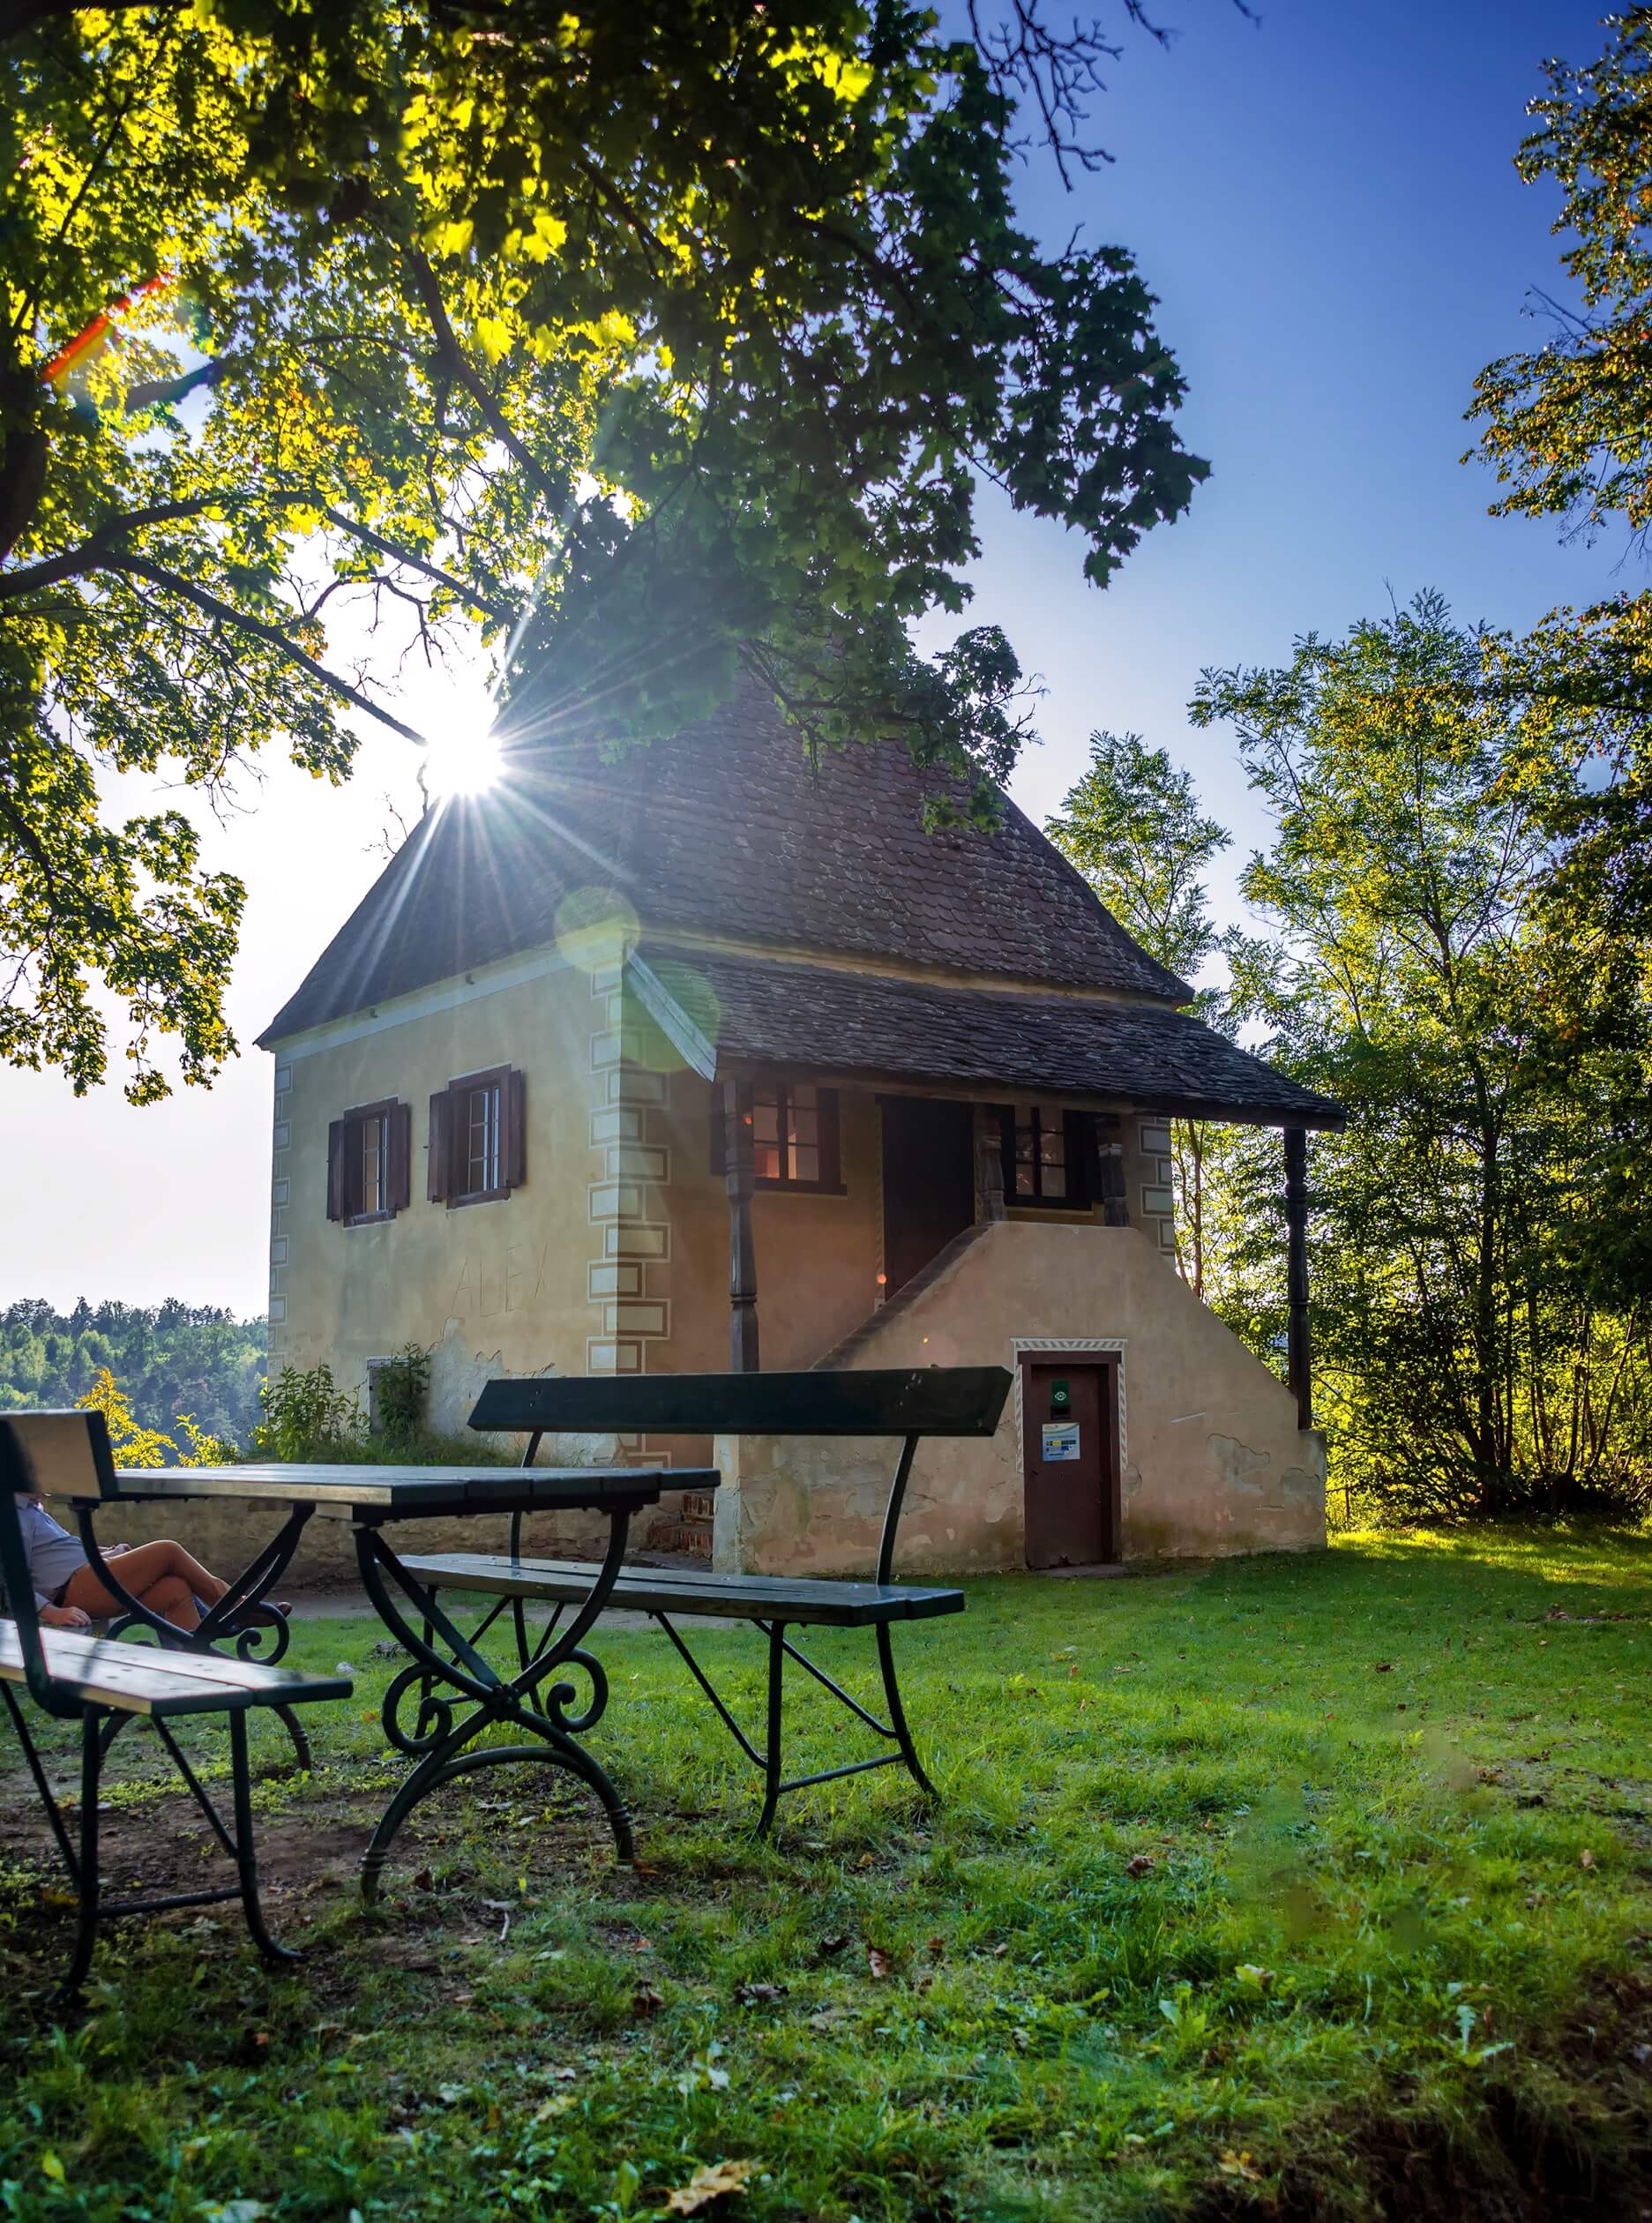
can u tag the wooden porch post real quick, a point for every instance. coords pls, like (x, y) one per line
(1299, 1357)
(740, 1182)
(989, 1162)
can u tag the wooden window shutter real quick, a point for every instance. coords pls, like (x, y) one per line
(514, 1138)
(438, 1172)
(397, 1169)
(335, 1170)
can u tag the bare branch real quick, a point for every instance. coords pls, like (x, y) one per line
(158, 575)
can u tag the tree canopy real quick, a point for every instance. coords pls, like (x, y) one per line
(645, 346)
(1481, 1342)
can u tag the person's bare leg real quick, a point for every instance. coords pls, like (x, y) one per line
(138, 1572)
(173, 1600)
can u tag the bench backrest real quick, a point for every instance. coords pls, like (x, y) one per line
(919, 1401)
(19, 1474)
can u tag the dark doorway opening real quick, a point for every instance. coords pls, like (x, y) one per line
(929, 1180)
(1070, 1457)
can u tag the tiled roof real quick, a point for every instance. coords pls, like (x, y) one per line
(815, 1018)
(727, 830)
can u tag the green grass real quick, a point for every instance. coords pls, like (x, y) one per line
(1290, 1887)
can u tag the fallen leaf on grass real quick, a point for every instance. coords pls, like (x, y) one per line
(1586, 1859)
(876, 1963)
(647, 2001)
(1140, 1864)
(710, 2182)
(830, 1945)
(758, 1995)
(1384, 1667)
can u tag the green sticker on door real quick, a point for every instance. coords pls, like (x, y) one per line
(1061, 1440)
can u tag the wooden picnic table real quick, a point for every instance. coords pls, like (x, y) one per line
(446, 1666)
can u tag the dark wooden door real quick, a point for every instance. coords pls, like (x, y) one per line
(929, 1180)
(1070, 1450)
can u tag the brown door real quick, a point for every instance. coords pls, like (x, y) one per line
(1069, 1440)
(929, 1180)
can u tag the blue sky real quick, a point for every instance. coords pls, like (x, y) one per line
(1326, 207)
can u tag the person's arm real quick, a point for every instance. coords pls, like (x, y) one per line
(61, 1616)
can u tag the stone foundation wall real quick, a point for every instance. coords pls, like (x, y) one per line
(224, 1536)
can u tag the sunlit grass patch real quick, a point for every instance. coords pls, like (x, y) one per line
(1323, 1880)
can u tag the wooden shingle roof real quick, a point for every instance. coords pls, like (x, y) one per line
(729, 830)
(754, 1013)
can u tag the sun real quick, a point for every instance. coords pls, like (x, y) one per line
(461, 754)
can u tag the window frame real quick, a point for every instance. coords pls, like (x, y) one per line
(448, 1143)
(345, 1145)
(1075, 1159)
(828, 1132)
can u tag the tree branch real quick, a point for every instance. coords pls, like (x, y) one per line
(453, 357)
(169, 582)
(489, 608)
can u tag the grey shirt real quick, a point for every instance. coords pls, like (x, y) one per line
(53, 1553)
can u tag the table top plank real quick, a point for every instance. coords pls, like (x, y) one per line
(421, 1490)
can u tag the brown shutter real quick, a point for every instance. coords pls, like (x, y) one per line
(335, 1170)
(439, 1160)
(513, 1141)
(831, 1162)
(400, 1152)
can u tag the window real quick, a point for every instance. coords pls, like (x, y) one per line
(1044, 1158)
(368, 1154)
(794, 1134)
(478, 1142)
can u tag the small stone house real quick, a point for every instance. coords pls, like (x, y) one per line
(709, 1055)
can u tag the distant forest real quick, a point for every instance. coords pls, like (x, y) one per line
(168, 1358)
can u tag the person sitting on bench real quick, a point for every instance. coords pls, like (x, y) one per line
(68, 1595)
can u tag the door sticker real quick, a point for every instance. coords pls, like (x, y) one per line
(1061, 1440)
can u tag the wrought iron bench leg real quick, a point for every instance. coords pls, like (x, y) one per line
(897, 1711)
(776, 1694)
(246, 1851)
(88, 1878)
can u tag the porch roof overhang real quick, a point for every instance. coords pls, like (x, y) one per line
(732, 1015)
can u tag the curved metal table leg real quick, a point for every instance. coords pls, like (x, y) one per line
(438, 1741)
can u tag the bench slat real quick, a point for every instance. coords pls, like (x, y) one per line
(143, 1679)
(946, 1401)
(668, 1590)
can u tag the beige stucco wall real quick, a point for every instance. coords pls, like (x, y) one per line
(1213, 1459)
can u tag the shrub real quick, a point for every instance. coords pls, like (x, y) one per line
(308, 1418)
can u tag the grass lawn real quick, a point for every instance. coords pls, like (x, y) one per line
(1290, 1888)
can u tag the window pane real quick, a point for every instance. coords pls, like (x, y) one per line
(803, 1127)
(805, 1162)
(371, 1133)
(1024, 1145)
(765, 1118)
(804, 1097)
(1023, 1180)
(1054, 1181)
(1052, 1138)
(766, 1161)
(481, 1139)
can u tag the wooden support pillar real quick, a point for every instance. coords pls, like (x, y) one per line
(1299, 1357)
(740, 1181)
(989, 1162)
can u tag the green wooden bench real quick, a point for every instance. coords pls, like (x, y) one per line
(103, 1684)
(908, 1404)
